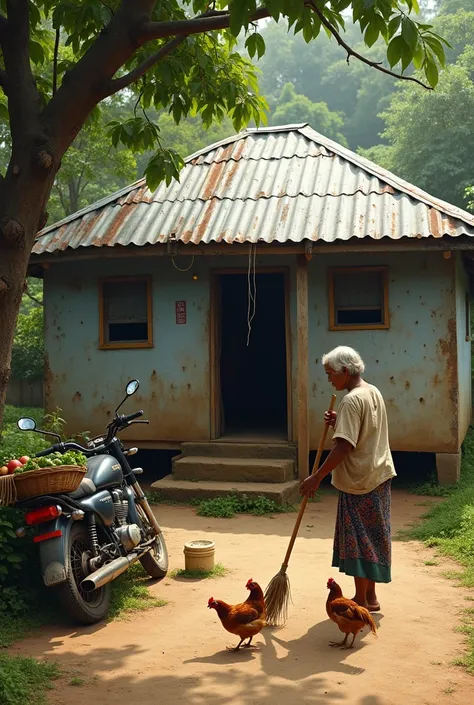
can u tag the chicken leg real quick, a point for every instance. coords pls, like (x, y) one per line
(339, 643)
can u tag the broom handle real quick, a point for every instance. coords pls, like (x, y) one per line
(305, 499)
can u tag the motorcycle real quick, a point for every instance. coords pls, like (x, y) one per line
(91, 536)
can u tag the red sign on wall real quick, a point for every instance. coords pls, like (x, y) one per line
(180, 312)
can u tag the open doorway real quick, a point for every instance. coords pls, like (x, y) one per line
(252, 369)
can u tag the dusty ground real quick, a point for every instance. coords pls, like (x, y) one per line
(177, 653)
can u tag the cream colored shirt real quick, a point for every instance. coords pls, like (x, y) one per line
(362, 420)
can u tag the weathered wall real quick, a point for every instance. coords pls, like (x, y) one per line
(464, 349)
(87, 383)
(414, 363)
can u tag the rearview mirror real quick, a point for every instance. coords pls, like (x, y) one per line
(26, 424)
(132, 387)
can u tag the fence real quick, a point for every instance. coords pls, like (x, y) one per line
(21, 392)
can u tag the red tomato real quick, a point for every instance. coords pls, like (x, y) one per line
(13, 465)
(24, 459)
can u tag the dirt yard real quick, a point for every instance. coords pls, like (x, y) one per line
(176, 654)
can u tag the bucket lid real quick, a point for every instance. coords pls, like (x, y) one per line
(200, 543)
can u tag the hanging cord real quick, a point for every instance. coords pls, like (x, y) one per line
(252, 289)
(182, 270)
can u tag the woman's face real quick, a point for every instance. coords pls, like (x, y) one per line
(337, 379)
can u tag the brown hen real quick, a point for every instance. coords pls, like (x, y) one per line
(350, 617)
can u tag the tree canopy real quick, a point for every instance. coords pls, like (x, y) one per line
(63, 61)
(429, 134)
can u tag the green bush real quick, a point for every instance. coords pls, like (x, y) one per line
(232, 504)
(23, 681)
(28, 346)
(15, 582)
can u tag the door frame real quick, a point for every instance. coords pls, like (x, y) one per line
(214, 344)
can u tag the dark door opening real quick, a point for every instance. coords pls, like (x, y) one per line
(253, 377)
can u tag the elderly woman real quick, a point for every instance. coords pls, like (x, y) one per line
(362, 470)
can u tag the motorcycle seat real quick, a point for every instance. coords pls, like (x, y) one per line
(85, 489)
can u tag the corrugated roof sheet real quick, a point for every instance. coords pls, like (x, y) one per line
(273, 185)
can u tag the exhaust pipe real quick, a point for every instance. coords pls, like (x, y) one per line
(109, 572)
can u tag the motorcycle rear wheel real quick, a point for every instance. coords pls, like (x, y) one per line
(85, 608)
(155, 562)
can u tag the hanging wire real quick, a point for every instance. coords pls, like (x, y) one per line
(252, 289)
(182, 270)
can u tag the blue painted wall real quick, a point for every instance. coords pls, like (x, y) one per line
(414, 363)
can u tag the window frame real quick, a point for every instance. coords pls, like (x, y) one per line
(126, 345)
(332, 272)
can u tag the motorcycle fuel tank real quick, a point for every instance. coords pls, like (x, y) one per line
(101, 504)
(104, 471)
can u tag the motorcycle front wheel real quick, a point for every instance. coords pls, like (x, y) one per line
(83, 607)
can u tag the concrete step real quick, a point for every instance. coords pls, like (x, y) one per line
(222, 449)
(185, 491)
(195, 467)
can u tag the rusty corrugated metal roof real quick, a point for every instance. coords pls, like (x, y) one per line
(281, 184)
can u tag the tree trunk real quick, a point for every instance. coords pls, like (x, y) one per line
(23, 193)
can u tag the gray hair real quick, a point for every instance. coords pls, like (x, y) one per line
(346, 358)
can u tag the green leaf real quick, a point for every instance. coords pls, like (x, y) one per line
(371, 34)
(431, 71)
(437, 47)
(418, 56)
(394, 25)
(395, 50)
(409, 33)
(261, 45)
(251, 44)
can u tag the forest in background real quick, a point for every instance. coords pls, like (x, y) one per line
(422, 136)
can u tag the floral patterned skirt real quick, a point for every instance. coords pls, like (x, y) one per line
(362, 541)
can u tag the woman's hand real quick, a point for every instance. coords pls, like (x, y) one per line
(309, 486)
(330, 418)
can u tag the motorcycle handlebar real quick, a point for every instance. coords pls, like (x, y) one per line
(131, 417)
(48, 451)
(70, 445)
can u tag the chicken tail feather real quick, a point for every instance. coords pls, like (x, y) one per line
(366, 617)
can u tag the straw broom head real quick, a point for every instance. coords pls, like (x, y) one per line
(277, 598)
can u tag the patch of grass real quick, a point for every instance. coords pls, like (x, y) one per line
(130, 593)
(219, 571)
(449, 526)
(13, 629)
(24, 681)
(430, 563)
(77, 682)
(432, 489)
(229, 505)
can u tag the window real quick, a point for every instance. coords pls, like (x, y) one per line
(125, 313)
(358, 298)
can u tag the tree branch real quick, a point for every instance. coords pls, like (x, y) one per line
(55, 61)
(30, 296)
(207, 22)
(350, 51)
(24, 103)
(119, 83)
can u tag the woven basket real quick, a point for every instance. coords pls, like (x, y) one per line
(62, 479)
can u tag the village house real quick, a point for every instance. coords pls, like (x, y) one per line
(220, 293)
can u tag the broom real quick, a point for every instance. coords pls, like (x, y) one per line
(277, 594)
